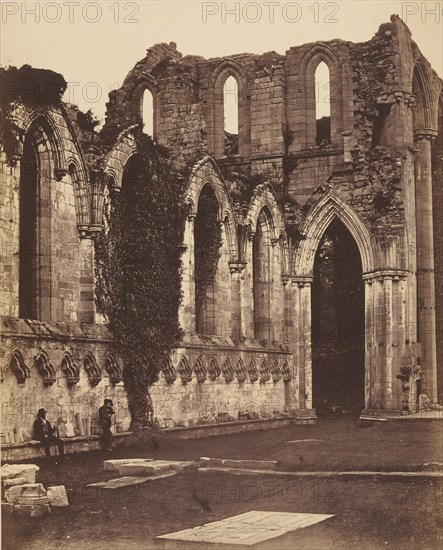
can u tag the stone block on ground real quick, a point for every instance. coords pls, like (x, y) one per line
(28, 471)
(30, 493)
(57, 496)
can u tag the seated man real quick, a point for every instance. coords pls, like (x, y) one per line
(44, 432)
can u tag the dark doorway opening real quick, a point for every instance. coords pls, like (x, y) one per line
(338, 324)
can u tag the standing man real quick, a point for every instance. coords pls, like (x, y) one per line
(105, 413)
(44, 432)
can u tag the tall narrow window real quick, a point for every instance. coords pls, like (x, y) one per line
(262, 278)
(28, 268)
(207, 241)
(230, 110)
(322, 105)
(148, 113)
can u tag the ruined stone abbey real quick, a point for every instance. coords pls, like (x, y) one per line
(330, 260)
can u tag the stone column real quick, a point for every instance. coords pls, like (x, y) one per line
(187, 308)
(302, 340)
(237, 300)
(385, 338)
(425, 261)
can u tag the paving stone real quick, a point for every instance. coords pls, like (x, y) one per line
(248, 528)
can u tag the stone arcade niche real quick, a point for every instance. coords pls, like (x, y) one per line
(338, 325)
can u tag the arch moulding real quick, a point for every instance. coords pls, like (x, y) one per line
(316, 223)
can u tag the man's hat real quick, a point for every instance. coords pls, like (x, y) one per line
(41, 411)
(108, 401)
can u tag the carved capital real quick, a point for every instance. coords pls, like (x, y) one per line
(60, 173)
(89, 231)
(236, 267)
(427, 134)
(301, 280)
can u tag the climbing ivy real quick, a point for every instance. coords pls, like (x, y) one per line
(138, 268)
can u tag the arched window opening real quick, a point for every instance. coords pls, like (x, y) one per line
(262, 278)
(207, 253)
(28, 255)
(148, 113)
(338, 323)
(230, 114)
(322, 105)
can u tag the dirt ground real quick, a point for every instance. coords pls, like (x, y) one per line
(368, 513)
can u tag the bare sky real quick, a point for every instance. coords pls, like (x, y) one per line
(95, 44)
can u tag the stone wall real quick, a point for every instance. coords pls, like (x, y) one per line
(374, 177)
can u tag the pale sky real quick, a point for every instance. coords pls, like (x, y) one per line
(95, 44)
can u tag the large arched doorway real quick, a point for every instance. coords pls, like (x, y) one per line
(338, 323)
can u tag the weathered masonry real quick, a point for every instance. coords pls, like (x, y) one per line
(326, 283)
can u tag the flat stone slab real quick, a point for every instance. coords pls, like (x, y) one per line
(145, 467)
(127, 481)
(244, 464)
(303, 440)
(350, 474)
(113, 465)
(247, 529)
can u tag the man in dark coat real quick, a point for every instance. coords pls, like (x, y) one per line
(105, 413)
(44, 432)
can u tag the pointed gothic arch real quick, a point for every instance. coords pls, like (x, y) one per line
(45, 368)
(92, 369)
(17, 366)
(320, 215)
(69, 369)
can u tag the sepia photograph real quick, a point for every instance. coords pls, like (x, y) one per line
(221, 275)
